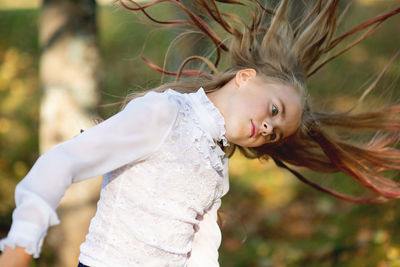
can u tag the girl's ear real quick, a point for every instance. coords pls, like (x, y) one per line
(242, 76)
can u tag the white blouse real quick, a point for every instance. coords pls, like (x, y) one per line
(165, 176)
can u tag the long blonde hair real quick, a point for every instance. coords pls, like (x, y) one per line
(288, 49)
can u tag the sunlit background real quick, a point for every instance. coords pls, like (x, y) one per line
(268, 217)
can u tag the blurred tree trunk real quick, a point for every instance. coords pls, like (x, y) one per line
(69, 70)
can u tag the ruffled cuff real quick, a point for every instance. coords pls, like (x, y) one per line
(27, 235)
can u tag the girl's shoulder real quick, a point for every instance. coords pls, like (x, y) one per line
(153, 98)
(162, 104)
(166, 102)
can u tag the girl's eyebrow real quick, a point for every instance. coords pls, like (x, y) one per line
(283, 108)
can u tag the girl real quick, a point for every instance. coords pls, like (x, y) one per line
(165, 154)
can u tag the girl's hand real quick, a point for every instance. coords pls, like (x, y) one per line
(15, 257)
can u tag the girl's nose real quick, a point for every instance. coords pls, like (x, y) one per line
(266, 128)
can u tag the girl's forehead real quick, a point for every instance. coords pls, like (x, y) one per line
(278, 88)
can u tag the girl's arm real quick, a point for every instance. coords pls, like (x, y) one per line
(15, 257)
(206, 240)
(128, 136)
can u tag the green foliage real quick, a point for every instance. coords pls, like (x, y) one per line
(19, 99)
(269, 219)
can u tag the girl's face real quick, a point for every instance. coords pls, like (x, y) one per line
(260, 112)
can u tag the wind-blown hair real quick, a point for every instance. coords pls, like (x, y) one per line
(287, 47)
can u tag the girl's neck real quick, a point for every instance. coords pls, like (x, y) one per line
(220, 97)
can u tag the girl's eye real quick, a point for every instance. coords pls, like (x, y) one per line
(274, 110)
(272, 137)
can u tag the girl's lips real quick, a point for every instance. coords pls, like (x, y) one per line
(254, 129)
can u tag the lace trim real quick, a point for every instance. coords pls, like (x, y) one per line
(214, 112)
(212, 151)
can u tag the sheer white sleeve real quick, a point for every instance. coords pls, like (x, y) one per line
(130, 135)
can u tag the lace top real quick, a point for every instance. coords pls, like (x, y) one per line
(160, 196)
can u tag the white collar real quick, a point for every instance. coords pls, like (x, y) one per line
(209, 116)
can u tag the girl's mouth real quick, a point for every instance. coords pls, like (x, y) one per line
(254, 129)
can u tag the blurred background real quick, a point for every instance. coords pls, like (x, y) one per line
(61, 59)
